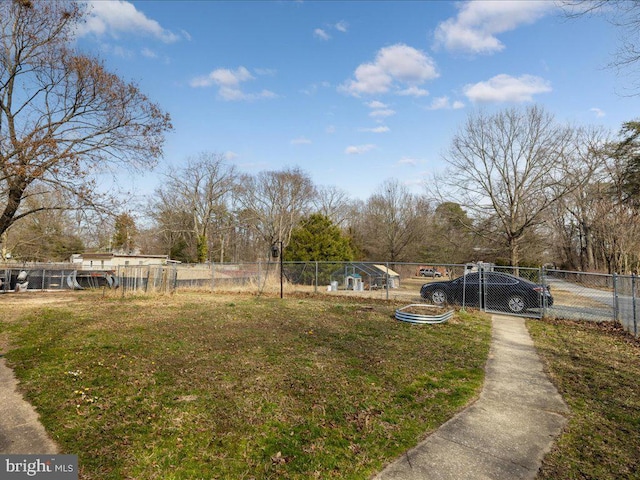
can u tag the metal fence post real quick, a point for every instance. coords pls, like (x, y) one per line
(464, 289)
(316, 279)
(387, 279)
(633, 304)
(615, 298)
(543, 282)
(146, 285)
(175, 279)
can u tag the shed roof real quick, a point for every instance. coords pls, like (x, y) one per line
(387, 271)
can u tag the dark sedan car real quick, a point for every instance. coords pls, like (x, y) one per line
(493, 290)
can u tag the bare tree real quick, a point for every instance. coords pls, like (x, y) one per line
(334, 203)
(63, 116)
(392, 223)
(276, 201)
(511, 164)
(201, 192)
(125, 233)
(616, 223)
(449, 236)
(43, 236)
(573, 217)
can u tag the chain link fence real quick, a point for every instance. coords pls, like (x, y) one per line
(596, 297)
(529, 292)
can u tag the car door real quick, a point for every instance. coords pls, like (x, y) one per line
(469, 289)
(497, 290)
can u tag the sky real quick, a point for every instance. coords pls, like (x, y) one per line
(354, 93)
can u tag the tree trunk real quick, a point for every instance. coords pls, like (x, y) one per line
(514, 248)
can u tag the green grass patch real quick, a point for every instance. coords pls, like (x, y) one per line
(214, 386)
(596, 368)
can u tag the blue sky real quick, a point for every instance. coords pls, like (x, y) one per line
(353, 93)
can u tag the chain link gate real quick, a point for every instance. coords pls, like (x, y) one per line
(513, 291)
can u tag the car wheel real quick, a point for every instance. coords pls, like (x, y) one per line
(439, 297)
(516, 303)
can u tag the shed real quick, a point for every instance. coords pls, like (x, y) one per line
(371, 275)
(393, 277)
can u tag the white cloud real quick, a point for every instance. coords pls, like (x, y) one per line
(475, 27)
(230, 155)
(359, 149)
(147, 52)
(379, 109)
(269, 72)
(229, 82)
(314, 87)
(310, 90)
(342, 26)
(380, 129)
(396, 67)
(120, 17)
(382, 113)
(599, 112)
(505, 88)
(321, 34)
(443, 103)
(439, 103)
(413, 91)
(231, 94)
(300, 141)
(226, 77)
(267, 94)
(408, 161)
(370, 78)
(223, 77)
(376, 104)
(117, 50)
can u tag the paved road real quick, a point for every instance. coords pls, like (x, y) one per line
(586, 305)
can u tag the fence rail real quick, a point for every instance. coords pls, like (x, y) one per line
(573, 295)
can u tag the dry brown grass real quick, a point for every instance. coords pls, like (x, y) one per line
(201, 385)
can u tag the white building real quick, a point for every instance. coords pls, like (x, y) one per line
(111, 261)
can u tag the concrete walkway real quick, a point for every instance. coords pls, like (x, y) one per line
(503, 435)
(20, 428)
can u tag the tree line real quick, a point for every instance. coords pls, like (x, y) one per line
(520, 189)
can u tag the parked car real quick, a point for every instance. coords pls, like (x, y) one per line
(493, 290)
(430, 272)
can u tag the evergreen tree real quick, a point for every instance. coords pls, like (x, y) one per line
(628, 152)
(317, 238)
(125, 233)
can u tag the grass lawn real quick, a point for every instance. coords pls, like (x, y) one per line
(596, 368)
(213, 386)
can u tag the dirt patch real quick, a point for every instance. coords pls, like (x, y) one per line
(37, 298)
